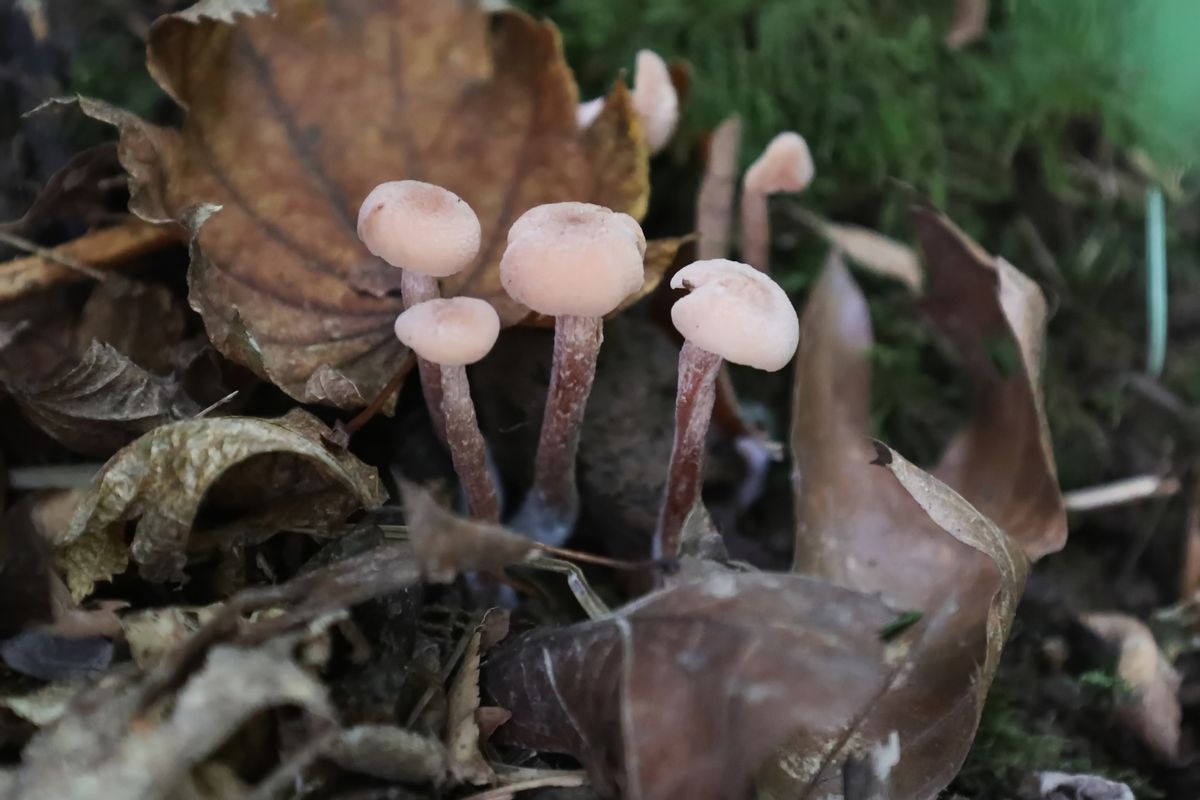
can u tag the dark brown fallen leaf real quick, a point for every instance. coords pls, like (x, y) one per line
(1153, 713)
(144, 321)
(105, 747)
(295, 115)
(447, 545)
(25, 598)
(161, 479)
(77, 192)
(102, 402)
(903, 533)
(685, 692)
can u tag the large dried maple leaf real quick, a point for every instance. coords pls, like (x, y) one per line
(297, 108)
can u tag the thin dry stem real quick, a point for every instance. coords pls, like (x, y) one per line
(685, 477)
(714, 203)
(467, 448)
(549, 512)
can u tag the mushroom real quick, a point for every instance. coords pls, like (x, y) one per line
(785, 166)
(655, 101)
(452, 333)
(575, 262)
(735, 313)
(429, 233)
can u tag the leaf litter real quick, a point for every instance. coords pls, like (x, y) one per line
(241, 604)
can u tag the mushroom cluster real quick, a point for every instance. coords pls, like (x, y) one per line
(575, 262)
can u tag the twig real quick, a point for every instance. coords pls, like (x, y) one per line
(392, 387)
(33, 248)
(1122, 492)
(216, 405)
(562, 779)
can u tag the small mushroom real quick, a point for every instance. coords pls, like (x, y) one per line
(785, 166)
(575, 262)
(429, 233)
(655, 101)
(735, 313)
(452, 333)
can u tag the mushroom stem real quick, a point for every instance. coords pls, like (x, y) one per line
(756, 230)
(466, 445)
(549, 511)
(416, 288)
(694, 398)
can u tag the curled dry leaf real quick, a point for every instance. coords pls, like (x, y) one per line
(685, 692)
(294, 116)
(913, 538)
(286, 476)
(1154, 713)
(144, 321)
(105, 747)
(102, 402)
(77, 191)
(447, 545)
(869, 249)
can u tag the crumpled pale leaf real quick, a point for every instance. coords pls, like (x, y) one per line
(447, 545)
(684, 692)
(154, 633)
(102, 402)
(954, 549)
(1154, 713)
(294, 116)
(285, 476)
(107, 745)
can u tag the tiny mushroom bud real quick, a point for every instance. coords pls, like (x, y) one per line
(732, 312)
(575, 262)
(452, 333)
(785, 166)
(429, 233)
(655, 99)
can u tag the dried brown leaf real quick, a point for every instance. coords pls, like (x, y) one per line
(161, 479)
(77, 191)
(1003, 462)
(462, 729)
(295, 115)
(903, 533)
(447, 545)
(870, 249)
(685, 692)
(102, 402)
(1154, 713)
(144, 321)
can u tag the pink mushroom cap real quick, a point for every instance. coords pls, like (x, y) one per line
(574, 259)
(785, 165)
(655, 99)
(452, 331)
(736, 312)
(420, 227)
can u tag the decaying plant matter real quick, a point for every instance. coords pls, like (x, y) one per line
(246, 601)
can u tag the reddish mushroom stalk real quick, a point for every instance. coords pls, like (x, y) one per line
(553, 502)
(429, 233)
(450, 334)
(468, 451)
(575, 262)
(735, 313)
(694, 399)
(784, 166)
